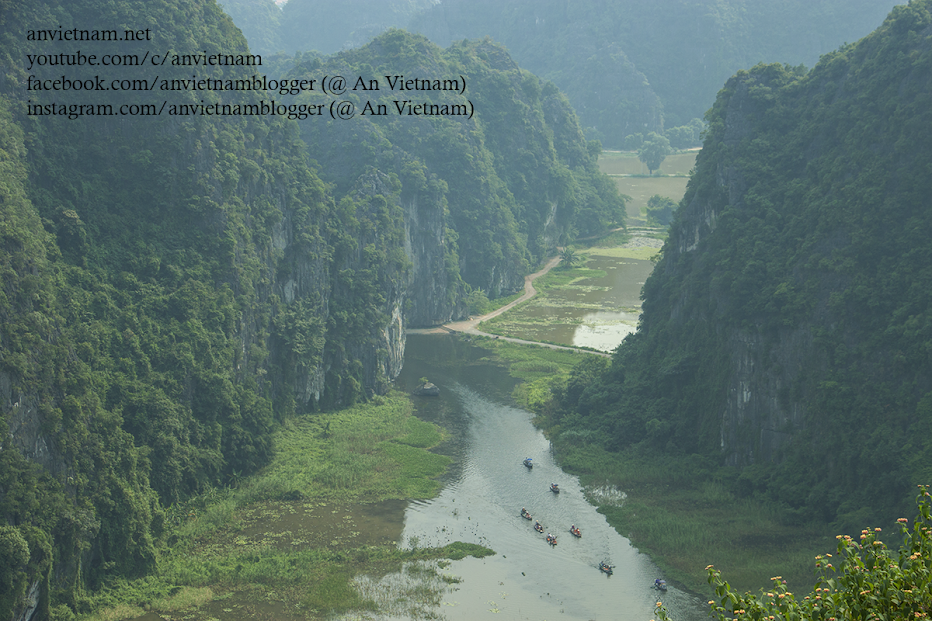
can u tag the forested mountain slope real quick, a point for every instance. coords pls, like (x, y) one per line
(486, 193)
(164, 300)
(627, 67)
(634, 67)
(327, 27)
(787, 329)
(172, 286)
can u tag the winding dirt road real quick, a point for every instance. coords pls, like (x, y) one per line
(469, 326)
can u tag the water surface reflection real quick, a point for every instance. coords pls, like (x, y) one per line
(484, 493)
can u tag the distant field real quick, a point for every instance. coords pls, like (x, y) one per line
(627, 163)
(640, 189)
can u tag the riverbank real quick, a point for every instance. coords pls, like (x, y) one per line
(470, 326)
(290, 541)
(679, 510)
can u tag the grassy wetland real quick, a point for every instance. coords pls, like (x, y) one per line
(679, 511)
(592, 305)
(682, 514)
(311, 535)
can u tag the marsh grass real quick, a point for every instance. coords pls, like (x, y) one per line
(681, 511)
(642, 253)
(521, 321)
(367, 453)
(684, 515)
(352, 454)
(609, 240)
(497, 303)
(334, 593)
(118, 612)
(185, 598)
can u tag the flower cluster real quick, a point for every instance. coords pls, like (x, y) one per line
(871, 582)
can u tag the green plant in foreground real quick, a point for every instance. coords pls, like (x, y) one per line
(870, 583)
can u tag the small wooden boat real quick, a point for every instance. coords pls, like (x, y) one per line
(528, 463)
(525, 514)
(606, 568)
(575, 531)
(554, 488)
(660, 584)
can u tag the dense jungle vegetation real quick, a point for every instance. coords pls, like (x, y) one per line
(508, 185)
(174, 288)
(783, 350)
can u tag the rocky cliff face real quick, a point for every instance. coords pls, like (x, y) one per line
(785, 304)
(434, 290)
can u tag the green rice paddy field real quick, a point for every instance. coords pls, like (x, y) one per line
(631, 178)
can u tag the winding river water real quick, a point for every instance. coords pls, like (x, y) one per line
(487, 487)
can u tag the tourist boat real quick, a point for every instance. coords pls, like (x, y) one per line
(525, 514)
(554, 488)
(575, 531)
(605, 567)
(528, 464)
(660, 584)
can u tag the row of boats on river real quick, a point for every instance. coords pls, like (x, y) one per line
(604, 567)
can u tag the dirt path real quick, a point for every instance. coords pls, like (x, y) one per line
(469, 326)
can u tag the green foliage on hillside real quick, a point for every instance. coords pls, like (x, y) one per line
(260, 21)
(632, 67)
(653, 151)
(627, 67)
(164, 299)
(327, 27)
(864, 580)
(513, 180)
(791, 306)
(686, 136)
(172, 288)
(660, 210)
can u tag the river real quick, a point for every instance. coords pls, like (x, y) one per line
(485, 490)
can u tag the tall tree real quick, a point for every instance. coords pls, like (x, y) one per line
(654, 150)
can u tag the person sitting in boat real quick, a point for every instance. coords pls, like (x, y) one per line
(523, 511)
